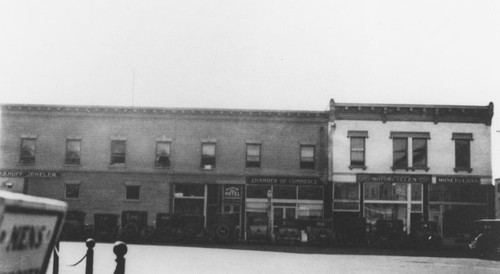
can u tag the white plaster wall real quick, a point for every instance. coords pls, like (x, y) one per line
(440, 148)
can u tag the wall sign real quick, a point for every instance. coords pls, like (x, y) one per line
(458, 179)
(232, 191)
(29, 227)
(38, 174)
(393, 178)
(280, 180)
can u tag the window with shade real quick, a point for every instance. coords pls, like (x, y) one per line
(253, 155)
(410, 150)
(162, 159)
(307, 160)
(118, 152)
(208, 155)
(73, 152)
(462, 151)
(357, 149)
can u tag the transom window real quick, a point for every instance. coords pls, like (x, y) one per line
(73, 150)
(27, 155)
(208, 155)
(162, 154)
(118, 151)
(253, 155)
(307, 160)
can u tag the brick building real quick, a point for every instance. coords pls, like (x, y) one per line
(114, 165)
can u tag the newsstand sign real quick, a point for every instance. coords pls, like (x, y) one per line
(29, 227)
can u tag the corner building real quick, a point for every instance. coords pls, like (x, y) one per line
(120, 165)
(410, 163)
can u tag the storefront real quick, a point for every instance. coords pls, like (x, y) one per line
(272, 200)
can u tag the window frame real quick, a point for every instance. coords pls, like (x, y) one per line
(253, 164)
(128, 194)
(208, 160)
(464, 138)
(23, 159)
(113, 157)
(305, 162)
(158, 155)
(410, 154)
(66, 196)
(67, 160)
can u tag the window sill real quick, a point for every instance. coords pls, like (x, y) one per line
(131, 201)
(207, 169)
(420, 168)
(162, 167)
(351, 167)
(410, 168)
(117, 166)
(466, 169)
(25, 164)
(72, 165)
(72, 199)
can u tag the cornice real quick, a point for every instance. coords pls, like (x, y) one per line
(416, 113)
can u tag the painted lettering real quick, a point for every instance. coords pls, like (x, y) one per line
(25, 237)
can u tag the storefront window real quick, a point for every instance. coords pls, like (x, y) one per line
(416, 192)
(189, 206)
(310, 193)
(346, 191)
(386, 191)
(310, 211)
(464, 193)
(285, 192)
(189, 190)
(374, 212)
(257, 191)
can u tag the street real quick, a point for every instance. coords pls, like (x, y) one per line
(273, 259)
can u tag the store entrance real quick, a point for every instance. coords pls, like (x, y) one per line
(284, 213)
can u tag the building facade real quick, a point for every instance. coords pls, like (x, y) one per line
(411, 163)
(115, 166)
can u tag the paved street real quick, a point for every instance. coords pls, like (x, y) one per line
(265, 259)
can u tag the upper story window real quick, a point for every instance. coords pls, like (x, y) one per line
(73, 152)
(133, 192)
(27, 154)
(357, 148)
(208, 155)
(462, 151)
(162, 154)
(307, 159)
(72, 191)
(409, 150)
(118, 152)
(253, 155)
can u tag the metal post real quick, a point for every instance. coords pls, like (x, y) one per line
(89, 268)
(55, 265)
(120, 249)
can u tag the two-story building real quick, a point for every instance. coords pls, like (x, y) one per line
(411, 163)
(115, 164)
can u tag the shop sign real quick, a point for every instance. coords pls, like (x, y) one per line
(232, 191)
(29, 227)
(278, 180)
(393, 178)
(38, 174)
(458, 179)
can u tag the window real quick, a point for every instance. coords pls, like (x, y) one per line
(357, 148)
(253, 155)
(462, 151)
(162, 154)
(208, 155)
(72, 191)
(73, 148)
(307, 157)
(132, 192)
(27, 151)
(346, 197)
(409, 150)
(118, 149)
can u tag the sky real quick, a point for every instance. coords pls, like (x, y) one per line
(259, 54)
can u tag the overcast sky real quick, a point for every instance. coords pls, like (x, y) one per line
(259, 54)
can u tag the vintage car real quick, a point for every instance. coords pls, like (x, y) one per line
(389, 233)
(487, 240)
(426, 235)
(258, 228)
(288, 232)
(320, 232)
(73, 227)
(105, 227)
(225, 228)
(134, 226)
(190, 228)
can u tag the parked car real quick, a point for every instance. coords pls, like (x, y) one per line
(288, 232)
(258, 228)
(426, 235)
(389, 233)
(487, 240)
(320, 232)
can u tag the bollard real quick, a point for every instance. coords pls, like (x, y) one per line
(120, 249)
(89, 268)
(55, 265)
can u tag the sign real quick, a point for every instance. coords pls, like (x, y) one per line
(280, 180)
(393, 178)
(232, 191)
(38, 174)
(458, 179)
(29, 227)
